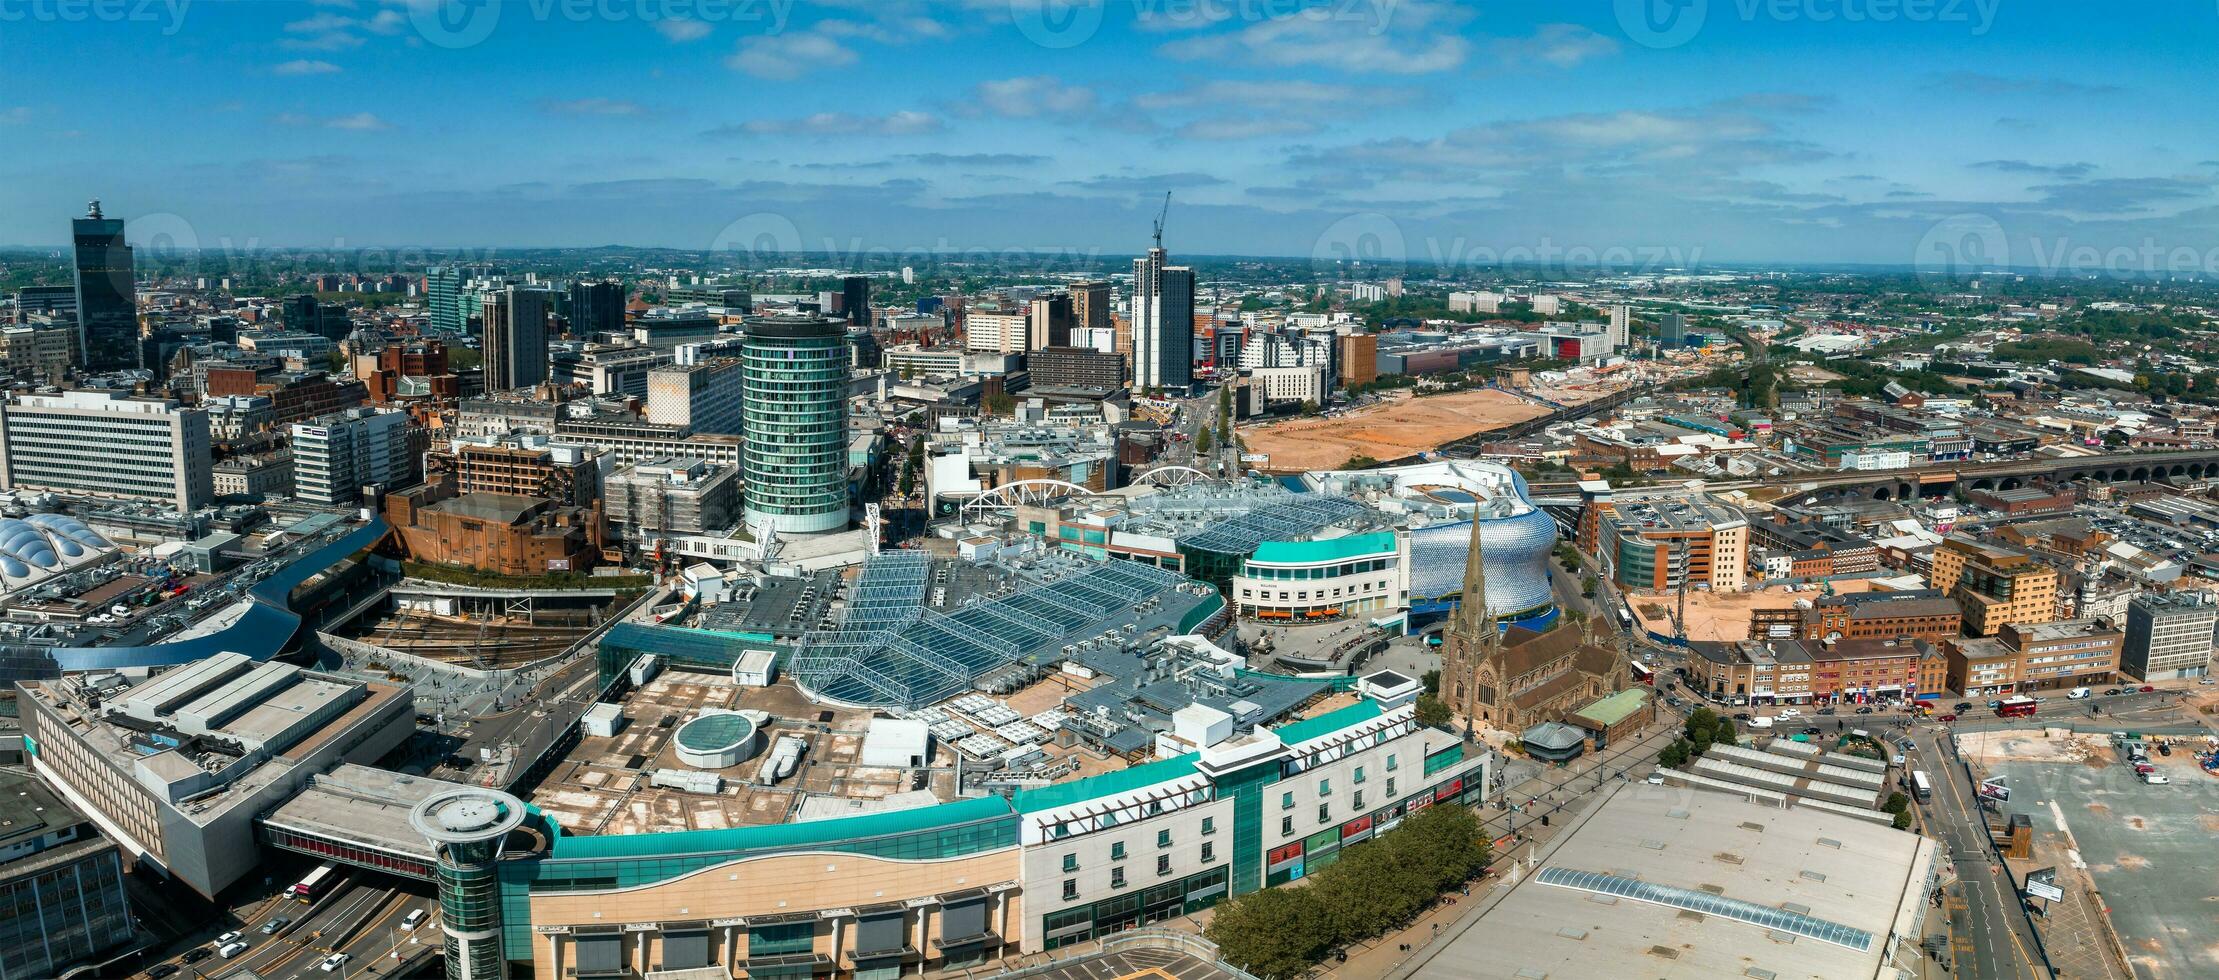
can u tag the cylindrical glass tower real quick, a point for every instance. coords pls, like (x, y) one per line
(466, 828)
(794, 375)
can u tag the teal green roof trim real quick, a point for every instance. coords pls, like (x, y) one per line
(1326, 550)
(838, 833)
(1201, 613)
(1055, 795)
(1328, 723)
(1615, 708)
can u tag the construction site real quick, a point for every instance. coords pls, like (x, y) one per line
(483, 629)
(1400, 427)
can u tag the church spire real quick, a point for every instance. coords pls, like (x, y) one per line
(1476, 620)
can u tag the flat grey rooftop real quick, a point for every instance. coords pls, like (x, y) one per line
(365, 806)
(1846, 877)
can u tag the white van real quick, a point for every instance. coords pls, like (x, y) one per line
(2079, 693)
(232, 948)
(414, 919)
(2155, 778)
(1760, 723)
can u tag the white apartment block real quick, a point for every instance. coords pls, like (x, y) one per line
(105, 444)
(335, 456)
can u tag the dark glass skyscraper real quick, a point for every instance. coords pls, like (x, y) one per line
(855, 299)
(596, 308)
(107, 297)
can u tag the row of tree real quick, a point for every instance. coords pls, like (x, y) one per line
(1376, 886)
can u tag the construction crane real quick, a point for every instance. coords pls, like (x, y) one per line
(1161, 214)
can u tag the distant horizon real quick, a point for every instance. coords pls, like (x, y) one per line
(1942, 137)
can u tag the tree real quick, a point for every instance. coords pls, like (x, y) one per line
(1903, 820)
(1675, 754)
(1276, 932)
(1897, 803)
(1204, 442)
(1432, 681)
(1309, 407)
(1359, 462)
(1587, 585)
(1432, 712)
(999, 403)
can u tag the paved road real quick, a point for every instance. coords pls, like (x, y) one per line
(2001, 939)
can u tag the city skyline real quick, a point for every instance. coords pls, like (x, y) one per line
(1417, 131)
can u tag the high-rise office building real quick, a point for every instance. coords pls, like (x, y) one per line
(515, 338)
(2169, 636)
(1090, 305)
(995, 331)
(1621, 326)
(703, 397)
(443, 295)
(337, 455)
(303, 314)
(107, 296)
(794, 370)
(103, 444)
(1051, 321)
(855, 299)
(596, 308)
(1163, 324)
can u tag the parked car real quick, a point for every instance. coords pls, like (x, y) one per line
(1962, 706)
(1741, 716)
(2114, 692)
(1993, 705)
(2165, 748)
(161, 970)
(2147, 689)
(1813, 730)
(1866, 710)
(1948, 717)
(1829, 709)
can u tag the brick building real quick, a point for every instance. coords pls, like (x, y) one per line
(1923, 614)
(1994, 584)
(499, 533)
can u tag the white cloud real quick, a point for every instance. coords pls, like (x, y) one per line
(305, 66)
(1562, 45)
(1277, 94)
(788, 56)
(594, 107)
(1038, 95)
(1408, 38)
(15, 115)
(681, 30)
(359, 120)
(903, 123)
(1245, 127)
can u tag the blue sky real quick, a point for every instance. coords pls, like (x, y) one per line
(1739, 130)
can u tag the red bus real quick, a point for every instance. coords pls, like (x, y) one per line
(2019, 707)
(313, 887)
(1641, 673)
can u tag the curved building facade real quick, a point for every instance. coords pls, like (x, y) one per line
(880, 896)
(1515, 551)
(717, 741)
(794, 378)
(1326, 579)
